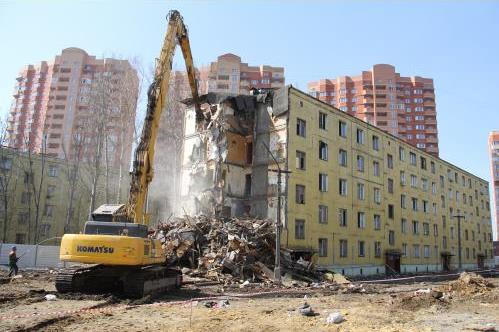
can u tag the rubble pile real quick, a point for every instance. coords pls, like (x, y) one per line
(470, 283)
(227, 250)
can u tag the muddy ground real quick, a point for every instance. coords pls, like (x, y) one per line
(23, 307)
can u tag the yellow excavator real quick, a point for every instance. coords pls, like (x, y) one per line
(114, 251)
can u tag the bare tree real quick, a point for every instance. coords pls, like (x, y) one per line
(34, 184)
(8, 179)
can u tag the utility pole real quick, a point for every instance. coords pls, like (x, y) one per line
(279, 171)
(459, 253)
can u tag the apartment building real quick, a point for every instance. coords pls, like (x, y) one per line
(494, 171)
(34, 184)
(357, 200)
(54, 99)
(229, 75)
(402, 106)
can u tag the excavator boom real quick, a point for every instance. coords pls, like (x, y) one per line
(157, 94)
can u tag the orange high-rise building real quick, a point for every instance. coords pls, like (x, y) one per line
(494, 170)
(50, 99)
(402, 106)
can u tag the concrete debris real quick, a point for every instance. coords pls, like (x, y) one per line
(470, 283)
(334, 318)
(216, 304)
(229, 251)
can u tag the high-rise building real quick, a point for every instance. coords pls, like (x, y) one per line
(229, 75)
(402, 106)
(494, 169)
(54, 99)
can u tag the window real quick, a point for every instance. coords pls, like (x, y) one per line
(403, 204)
(444, 242)
(342, 217)
(342, 129)
(360, 191)
(20, 238)
(401, 153)
(362, 249)
(377, 196)
(360, 163)
(391, 238)
(389, 161)
(376, 168)
(414, 204)
(452, 232)
(300, 194)
(390, 186)
(299, 229)
(391, 211)
(322, 182)
(322, 120)
(415, 227)
(52, 171)
(424, 184)
(425, 206)
(50, 191)
(426, 229)
(377, 249)
(434, 208)
(322, 150)
(360, 136)
(404, 249)
(28, 177)
(432, 167)
(343, 187)
(300, 160)
(6, 164)
(48, 211)
(416, 250)
(414, 181)
(402, 178)
(376, 143)
(361, 220)
(322, 247)
(403, 225)
(301, 127)
(323, 214)
(377, 222)
(433, 188)
(342, 158)
(442, 181)
(343, 248)
(412, 158)
(426, 251)
(25, 197)
(423, 162)
(466, 234)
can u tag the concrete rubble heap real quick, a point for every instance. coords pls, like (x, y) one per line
(228, 250)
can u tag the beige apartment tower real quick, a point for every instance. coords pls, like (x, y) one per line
(55, 98)
(229, 75)
(401, 106)
(494, 170)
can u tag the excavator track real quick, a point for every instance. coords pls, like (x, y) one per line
(133, 282)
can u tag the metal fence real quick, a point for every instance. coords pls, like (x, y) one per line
(32, 255)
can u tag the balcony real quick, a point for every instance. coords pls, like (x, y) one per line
(429, 103)
(430, 121)
(429, 95)
(431, 130)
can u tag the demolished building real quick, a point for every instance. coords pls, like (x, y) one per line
(344, 200)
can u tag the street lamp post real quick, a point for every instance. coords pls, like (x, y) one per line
(279, 171)
(459, 253)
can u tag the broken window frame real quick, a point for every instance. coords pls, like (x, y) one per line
(301, 162)
(323, 151)
(300, 194)
(301, 127)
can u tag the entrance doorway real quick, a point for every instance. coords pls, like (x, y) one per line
(446, 261)
(481, 261)
(393, 262)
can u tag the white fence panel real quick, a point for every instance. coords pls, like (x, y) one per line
(31, 255)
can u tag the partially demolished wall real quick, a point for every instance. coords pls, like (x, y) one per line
(225, 166)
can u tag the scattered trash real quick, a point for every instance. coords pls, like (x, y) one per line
(306, 310)
(335, 318)
(422, 291)
(244, 284)
(215, 304)
(50, 297)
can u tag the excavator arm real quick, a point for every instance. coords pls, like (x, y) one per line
(157, 94)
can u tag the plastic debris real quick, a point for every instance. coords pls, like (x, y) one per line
(335, 318)
(50, 297)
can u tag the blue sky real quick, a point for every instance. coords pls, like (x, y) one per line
(454, 42)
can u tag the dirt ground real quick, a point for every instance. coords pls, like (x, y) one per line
(23, 307)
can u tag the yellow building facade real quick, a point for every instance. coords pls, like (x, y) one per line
(366, 202)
